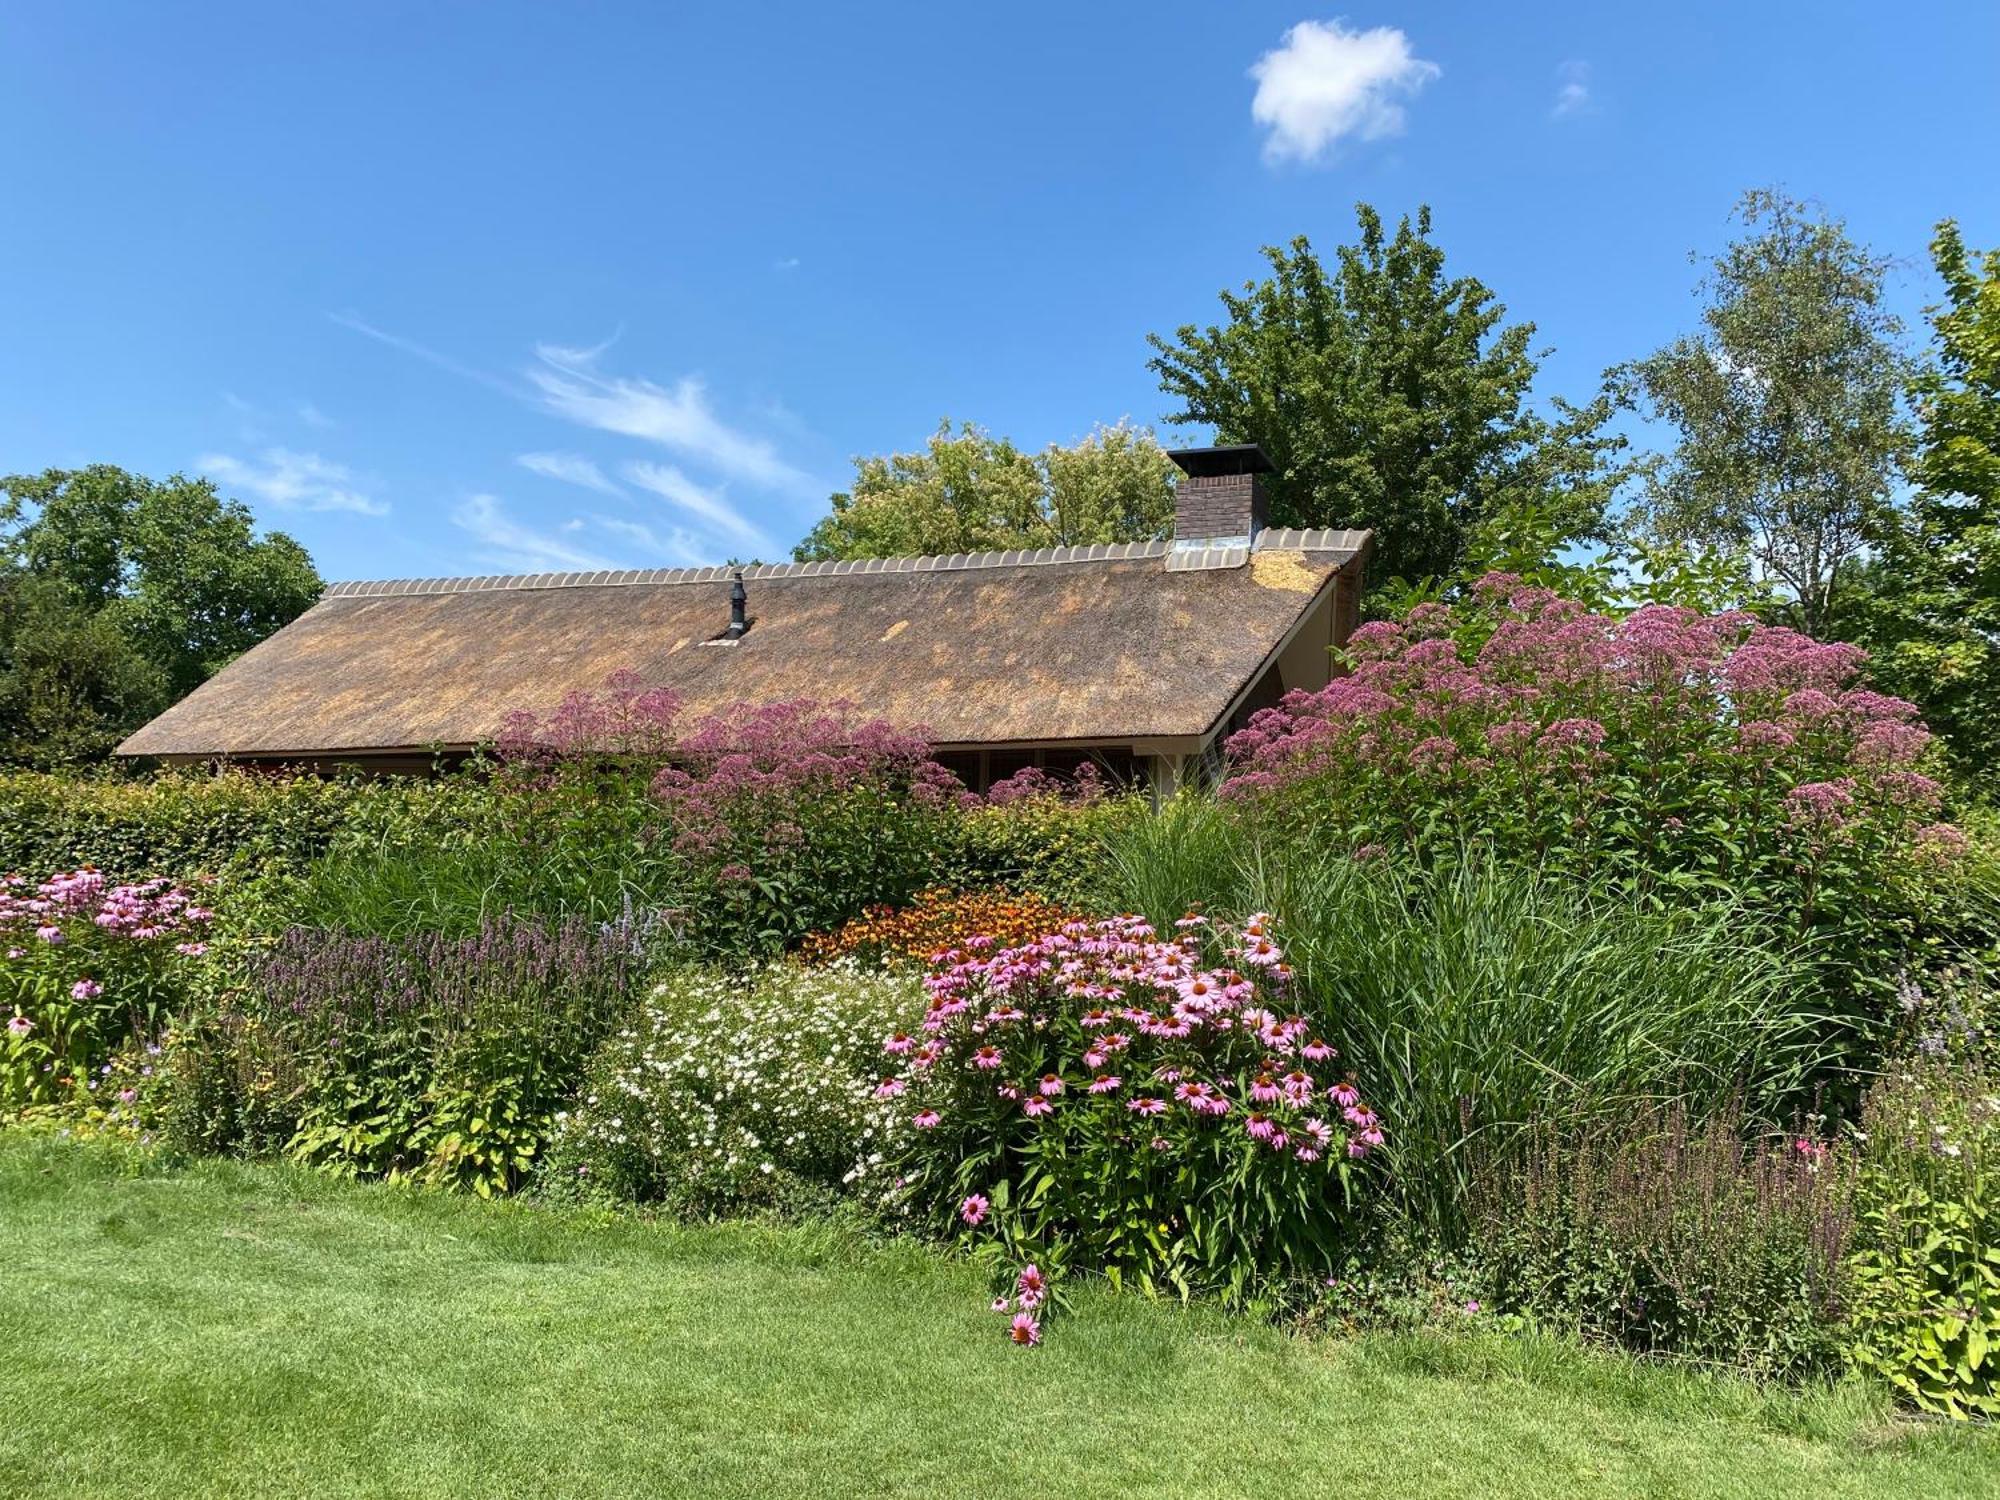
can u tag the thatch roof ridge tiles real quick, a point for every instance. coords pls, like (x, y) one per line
(1275, 539)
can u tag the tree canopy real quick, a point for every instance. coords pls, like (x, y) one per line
(967, 491)
(1927, 605)
(1390, 396)
(118, 594)
(1787, 403)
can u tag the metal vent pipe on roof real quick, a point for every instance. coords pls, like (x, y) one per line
(739, 599)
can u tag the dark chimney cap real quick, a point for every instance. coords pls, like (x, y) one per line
(1235, 458)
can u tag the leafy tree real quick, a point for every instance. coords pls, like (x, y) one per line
(178, 569)
(1390, 396)
(71, 684)
(118, 594)
(1928, 605)
(1787, 402)
(970, 492)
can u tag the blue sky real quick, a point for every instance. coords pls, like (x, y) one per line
(467, 288)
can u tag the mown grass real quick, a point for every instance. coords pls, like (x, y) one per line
(231, 1330)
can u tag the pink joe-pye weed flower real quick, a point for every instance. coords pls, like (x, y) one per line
(973, 1209)
(1025, 1330)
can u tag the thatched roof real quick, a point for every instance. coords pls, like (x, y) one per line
(1088, 644)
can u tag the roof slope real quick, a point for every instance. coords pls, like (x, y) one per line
(1088, 643)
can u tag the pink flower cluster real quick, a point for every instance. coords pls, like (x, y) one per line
(1528, 697)
(53, 909)
(1112, 1019)
(770, 755)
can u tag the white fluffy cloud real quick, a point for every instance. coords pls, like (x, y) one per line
(569, 468)
(1324, 83)
(679, 419)
(294, 481)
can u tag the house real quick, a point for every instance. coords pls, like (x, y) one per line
(1139, 657)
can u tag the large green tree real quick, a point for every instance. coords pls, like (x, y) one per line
(1393, 396)
(145, 587)
(1927, 605)
(1787, 403)
(967, 491)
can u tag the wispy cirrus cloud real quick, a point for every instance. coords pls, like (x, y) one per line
(671, 485)
(519, 548)
(423, 352)
(293, 481)
(1324, 82)
(675, 546)
(569, 468)
(678, 418)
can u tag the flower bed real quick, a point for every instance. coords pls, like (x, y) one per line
(86, 964)
(1151, 1106)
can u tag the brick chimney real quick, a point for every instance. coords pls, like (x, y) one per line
(1221, 502)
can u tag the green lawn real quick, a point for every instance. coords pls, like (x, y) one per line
(246, 1331)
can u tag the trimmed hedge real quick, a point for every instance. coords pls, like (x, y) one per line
(188, 823)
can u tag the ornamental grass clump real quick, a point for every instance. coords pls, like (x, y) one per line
(1151, 1106)
(740, 1091)
(86, 964)
(433, 1058)
(1669, 752)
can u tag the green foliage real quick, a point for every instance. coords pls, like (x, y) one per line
(120, 593)
(1671, 1240)
(1787, 404)
(1389, 396)
(733, 1092)
(72, 685)
(1043, 846)
(1927, 1275)
(1927, 607)
(187, 823)
(970, 492)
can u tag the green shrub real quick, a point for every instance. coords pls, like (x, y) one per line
(747, 1090)
(181, 824)
(1927, 1273)
(1044, 846)
(429, 1057)
(1672, 1240)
